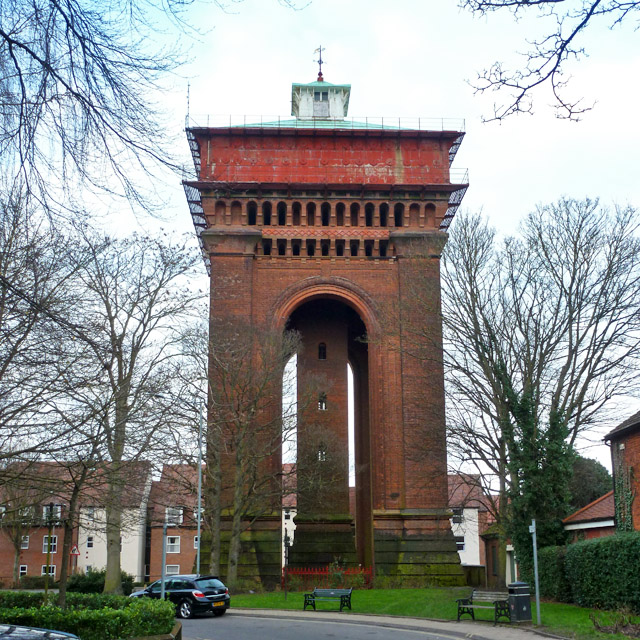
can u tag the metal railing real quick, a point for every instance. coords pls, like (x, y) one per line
(355, 123)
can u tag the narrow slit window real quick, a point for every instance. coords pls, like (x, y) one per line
(282, 214)
(322, 402)
(325, 213)
(322, 351)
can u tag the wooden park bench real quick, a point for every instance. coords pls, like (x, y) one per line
(496, 600)
(344, 595)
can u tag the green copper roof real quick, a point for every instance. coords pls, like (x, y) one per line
(319, 84)
(320, 123)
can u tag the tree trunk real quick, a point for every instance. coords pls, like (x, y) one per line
(234, 548)
(16, 565)
(69, 523)
(113, 577)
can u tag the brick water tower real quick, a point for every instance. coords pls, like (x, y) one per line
(321, 223)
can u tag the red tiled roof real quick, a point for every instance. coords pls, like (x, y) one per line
(601, 509)
(48, 481)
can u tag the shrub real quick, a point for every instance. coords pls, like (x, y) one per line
(93, 582)
(33, 582)
(141, 617)
(604, 572)
(23, 599)
(553, 577)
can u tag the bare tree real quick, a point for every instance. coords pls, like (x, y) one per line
(37, 348)
(77, 80)
(542, 332)
(136, 293)
(546, 61)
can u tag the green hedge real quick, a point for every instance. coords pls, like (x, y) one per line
(26, 599)
(604, 572)
(93, 582)
(553, 577)
(132, 617)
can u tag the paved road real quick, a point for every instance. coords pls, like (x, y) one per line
(239, 624)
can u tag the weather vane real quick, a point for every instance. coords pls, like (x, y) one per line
(319, 51)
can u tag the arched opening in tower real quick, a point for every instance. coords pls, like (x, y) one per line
(333, 479)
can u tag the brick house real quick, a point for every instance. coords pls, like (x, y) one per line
(34, 503)
(625, 461)
(595, 520)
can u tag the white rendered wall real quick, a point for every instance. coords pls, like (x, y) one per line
(469, 528)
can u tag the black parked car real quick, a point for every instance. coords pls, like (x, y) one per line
(191, 594)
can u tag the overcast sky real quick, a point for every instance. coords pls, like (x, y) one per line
(415, 58)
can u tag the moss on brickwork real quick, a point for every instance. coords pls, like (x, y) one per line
(432, 558)
(260, 556)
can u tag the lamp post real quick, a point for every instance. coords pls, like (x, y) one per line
(199, 491)
(163, 570)
(50, 532)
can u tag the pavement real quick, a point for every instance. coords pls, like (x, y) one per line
(469, 630)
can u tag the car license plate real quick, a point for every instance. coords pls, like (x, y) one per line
(218, 604)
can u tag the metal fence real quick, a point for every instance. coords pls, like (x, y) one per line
(307, 578)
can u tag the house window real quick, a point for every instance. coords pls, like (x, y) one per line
(89, 542)
(173, 544)
(52, 513)
(322, 351)
(172, 569)
(457, 515)
(287, 514)
(91, 514)
(23, 570)
(322, 402)
(24, 543)
(322, 452)
(321, 96)
(51, 570)
(195, 542)
(460, 543)
(27, 514)
(173, 515)
(88, 569)
(54, 544)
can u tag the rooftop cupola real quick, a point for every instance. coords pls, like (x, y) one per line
(320, 99)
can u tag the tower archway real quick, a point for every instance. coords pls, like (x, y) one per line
(334, 338)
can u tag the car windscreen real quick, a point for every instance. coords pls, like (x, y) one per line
(209, 583)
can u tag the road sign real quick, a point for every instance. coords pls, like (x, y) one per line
(74, 550)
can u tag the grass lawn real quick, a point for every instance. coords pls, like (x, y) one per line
(562, 619)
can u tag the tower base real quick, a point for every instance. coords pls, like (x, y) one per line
(260, 552)
(416, 546)
(318, 543)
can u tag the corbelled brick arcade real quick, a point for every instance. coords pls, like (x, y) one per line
(314, 223)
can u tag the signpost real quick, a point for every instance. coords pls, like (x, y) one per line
(532, 531)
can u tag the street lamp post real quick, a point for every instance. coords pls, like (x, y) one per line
(50, 533)
(163, 571)
(199, 492)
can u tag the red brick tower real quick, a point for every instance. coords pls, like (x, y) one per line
(319, 223)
